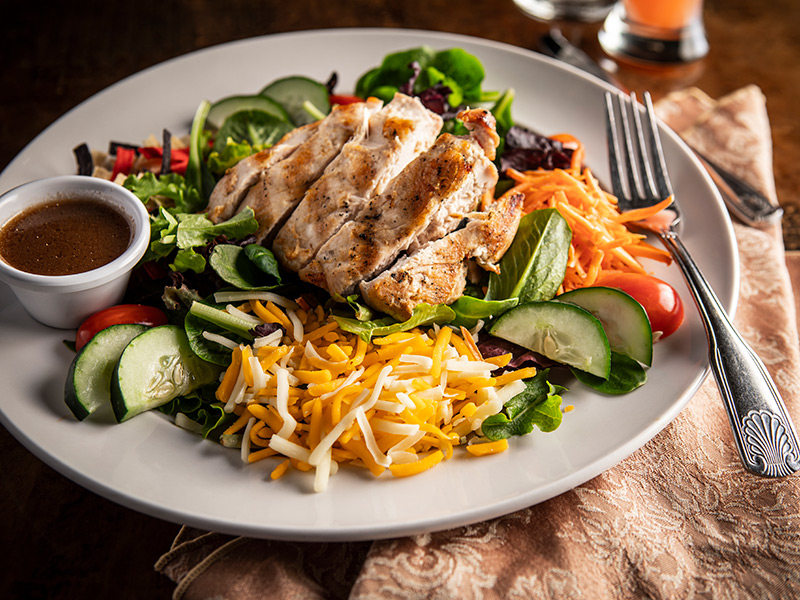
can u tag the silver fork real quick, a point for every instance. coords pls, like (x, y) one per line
(764, 434)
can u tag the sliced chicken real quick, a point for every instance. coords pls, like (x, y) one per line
(237, 181)
(396, 135)
(282, 186)
(436, 273)
(428, 199)
(482, 126)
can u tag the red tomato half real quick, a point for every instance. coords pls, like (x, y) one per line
(343, 99)
(661, 302)
(115, 315)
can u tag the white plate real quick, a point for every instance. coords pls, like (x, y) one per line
(149, 465)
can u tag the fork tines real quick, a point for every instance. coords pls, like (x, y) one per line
(638, 169)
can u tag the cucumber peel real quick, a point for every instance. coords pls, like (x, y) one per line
(88, 385)
(565, 333)
(624, 320)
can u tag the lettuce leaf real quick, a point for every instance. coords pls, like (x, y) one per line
(180, 234)
(470, 310)
(424, 314)
(185, 198)
(231, 153)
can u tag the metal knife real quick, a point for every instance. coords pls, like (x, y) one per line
(744, 201)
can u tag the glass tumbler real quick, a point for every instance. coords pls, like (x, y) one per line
(655, 31)
(583, 11)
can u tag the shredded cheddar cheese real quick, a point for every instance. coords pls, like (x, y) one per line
(320, 397)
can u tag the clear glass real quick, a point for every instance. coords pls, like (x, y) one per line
(584, 11)
(668, 32)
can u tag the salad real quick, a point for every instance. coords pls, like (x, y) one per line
(217, 334)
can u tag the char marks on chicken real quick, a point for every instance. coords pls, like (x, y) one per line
(395, 135)
(437, 272)
(237, 181)
(427, 200)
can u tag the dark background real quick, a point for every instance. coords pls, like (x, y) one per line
(60, 541)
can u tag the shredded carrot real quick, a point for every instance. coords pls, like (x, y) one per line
(600, 240)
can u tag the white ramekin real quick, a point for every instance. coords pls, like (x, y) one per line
(64, 301)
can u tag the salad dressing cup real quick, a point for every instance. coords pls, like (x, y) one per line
(64, 301)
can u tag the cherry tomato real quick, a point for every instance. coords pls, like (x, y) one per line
(343, 99)
(661, 302)
(115, 315)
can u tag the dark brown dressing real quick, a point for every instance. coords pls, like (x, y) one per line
(63, 237)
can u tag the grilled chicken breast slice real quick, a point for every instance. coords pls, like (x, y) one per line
(237, 181)
(436, 273)
(396, 135)
(428, 199)
(282, 186)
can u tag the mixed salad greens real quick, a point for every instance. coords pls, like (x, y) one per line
(602, 335)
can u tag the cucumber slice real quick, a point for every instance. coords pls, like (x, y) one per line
(156, 367)
(222, 109)
(292, 92)
(624, 320)
(88, 385)
(560, 331)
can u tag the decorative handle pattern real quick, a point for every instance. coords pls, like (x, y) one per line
(768, 447)
(764, 433)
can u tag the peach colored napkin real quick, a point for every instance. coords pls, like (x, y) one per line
(680, 518)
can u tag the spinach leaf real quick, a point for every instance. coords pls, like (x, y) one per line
(424, 314)
(233, 265)
(255, 127)
(463, 68)
(538, 404)
(534, 266)
(454, 73)
(206, 349)
(469, 309)
(626, 375)
(264, 259)
(395, 70)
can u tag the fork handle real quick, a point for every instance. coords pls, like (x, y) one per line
(764, 433)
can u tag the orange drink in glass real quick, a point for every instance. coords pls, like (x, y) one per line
(669, 14)
(655, 31)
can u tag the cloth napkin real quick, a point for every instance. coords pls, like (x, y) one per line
(680, 518)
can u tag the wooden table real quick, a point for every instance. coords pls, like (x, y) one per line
(66, 542)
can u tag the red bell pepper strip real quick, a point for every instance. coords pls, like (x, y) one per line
(124, 161)
(179, 157)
